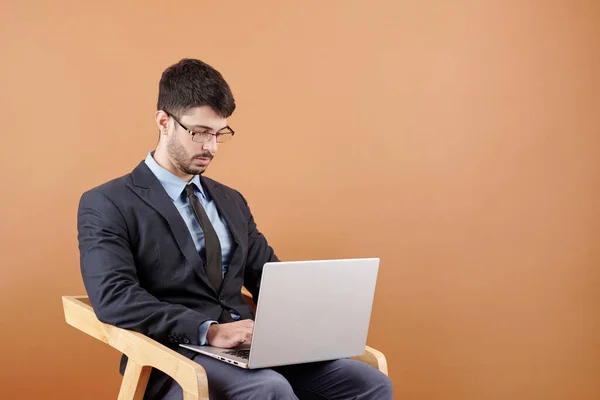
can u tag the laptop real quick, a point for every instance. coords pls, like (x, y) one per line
(307, 311)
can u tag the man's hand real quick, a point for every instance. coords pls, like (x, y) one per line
(230, 334)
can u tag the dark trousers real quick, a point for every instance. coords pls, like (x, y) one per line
(328, 380)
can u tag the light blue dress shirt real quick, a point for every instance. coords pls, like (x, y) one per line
(175, 188)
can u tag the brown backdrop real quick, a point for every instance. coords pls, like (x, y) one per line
(455, 140)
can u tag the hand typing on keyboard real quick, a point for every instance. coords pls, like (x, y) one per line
(230, 334)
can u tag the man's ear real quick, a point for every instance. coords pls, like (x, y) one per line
(162, 122)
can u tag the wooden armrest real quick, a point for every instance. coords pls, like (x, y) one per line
(247, 296)
(371, 356)
(142, 351)
(374, 358)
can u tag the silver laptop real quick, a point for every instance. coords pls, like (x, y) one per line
(307, 311)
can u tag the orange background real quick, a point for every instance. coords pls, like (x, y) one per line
(456, 140)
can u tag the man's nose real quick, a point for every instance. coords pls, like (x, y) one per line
(210, 145)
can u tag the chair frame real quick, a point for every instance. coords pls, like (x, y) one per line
(144, 353)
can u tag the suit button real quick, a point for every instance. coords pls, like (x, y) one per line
(186, 340)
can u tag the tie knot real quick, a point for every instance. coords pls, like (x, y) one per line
(189, 190)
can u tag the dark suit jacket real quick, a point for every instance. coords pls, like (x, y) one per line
(141, 269)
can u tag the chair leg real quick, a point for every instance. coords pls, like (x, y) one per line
(134, 381)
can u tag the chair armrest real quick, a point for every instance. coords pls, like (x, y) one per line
(139, 348)
(247, 297)
(374, 358)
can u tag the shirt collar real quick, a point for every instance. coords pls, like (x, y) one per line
(172, 184)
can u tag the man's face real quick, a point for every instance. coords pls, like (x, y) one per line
(189, 156)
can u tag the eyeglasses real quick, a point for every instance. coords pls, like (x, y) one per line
(202, 137)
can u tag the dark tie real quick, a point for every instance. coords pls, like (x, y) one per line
(212, 245)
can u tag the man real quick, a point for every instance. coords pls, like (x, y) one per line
(165, 252)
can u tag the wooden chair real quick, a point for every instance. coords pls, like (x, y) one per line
(145, 353)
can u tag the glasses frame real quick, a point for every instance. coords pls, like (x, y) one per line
(194, 133)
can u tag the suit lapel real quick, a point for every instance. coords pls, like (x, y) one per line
(149, 189)
(225, 208)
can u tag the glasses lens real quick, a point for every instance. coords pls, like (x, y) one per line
(201, 137)
(223, 137)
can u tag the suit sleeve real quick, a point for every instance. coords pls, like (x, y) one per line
(259, 253)
(109, 275)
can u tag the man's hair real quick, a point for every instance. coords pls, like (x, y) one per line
(192, 83)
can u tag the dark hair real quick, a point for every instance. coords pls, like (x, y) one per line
(192, 83)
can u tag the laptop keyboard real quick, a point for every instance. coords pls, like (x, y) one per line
(239, 353)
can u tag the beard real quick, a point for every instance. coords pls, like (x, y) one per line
(182, 160)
